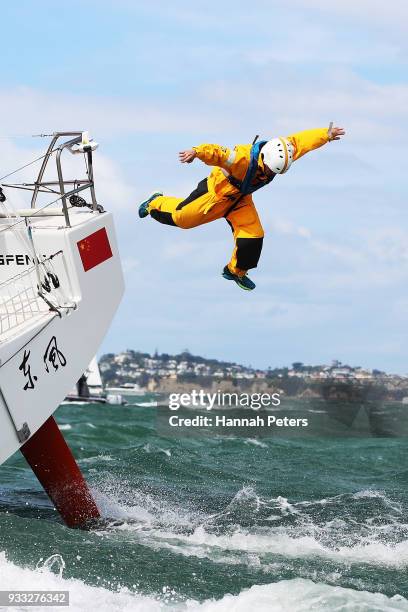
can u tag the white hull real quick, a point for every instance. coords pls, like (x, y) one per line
(41, 356)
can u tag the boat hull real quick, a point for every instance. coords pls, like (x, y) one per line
(39, 362)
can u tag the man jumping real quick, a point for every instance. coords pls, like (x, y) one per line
(226, 192)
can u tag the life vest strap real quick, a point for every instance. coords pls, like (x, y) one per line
(247, 185)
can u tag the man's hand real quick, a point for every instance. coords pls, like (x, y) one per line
(186, 157)
(335, 133)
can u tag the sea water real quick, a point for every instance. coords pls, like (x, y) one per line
(219, 522)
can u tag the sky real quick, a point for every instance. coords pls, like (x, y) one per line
(149, 79)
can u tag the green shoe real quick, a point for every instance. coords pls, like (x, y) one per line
(242, 281)
(144, 206)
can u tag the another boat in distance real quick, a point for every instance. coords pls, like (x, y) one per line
(93, 378)
(59, 255)
(128, 389)
(89, 389)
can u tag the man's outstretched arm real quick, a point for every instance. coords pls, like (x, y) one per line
(210, 154)
(308, 140)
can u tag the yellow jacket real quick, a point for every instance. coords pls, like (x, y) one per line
(236, 161)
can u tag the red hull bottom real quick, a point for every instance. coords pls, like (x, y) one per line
(52, 461)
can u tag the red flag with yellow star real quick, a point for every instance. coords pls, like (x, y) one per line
(94, 249)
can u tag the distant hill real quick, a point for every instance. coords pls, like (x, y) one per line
(168, 373)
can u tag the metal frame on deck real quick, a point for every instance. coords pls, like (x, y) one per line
(57, 188)
(40, 186)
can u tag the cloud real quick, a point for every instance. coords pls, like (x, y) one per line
(35, 111)
(370, 112)
(180, 250)
(332, 277)
(130, 265)
(283, 226)
(392, 14)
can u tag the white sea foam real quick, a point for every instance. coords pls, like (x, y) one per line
(64, 427)
(284, 596)
(242, 547)
(161, 525)
(242, 544)
(303, 596)
(201, 543)
(96, 459)
(255, 442)
(141, 509)
(82, 597)
(149, 448)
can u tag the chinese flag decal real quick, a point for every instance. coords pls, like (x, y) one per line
(94, 249)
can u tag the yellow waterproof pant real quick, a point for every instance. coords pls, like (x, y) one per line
(202, 207)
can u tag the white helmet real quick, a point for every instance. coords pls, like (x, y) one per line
(278, 154)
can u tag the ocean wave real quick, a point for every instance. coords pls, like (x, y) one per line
(201, 543)
(149, 448)
(13, 577)
(296, 594)
(303, 596)
(135, 509)
(255, 442)
(96, 459)
(251, 527)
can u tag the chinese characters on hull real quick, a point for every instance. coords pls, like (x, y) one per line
(26, 369)
(53, 360)
(53, 356)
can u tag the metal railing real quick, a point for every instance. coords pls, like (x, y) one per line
(26, 295)
(34, 291)
(50, 187)
(20, 300)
